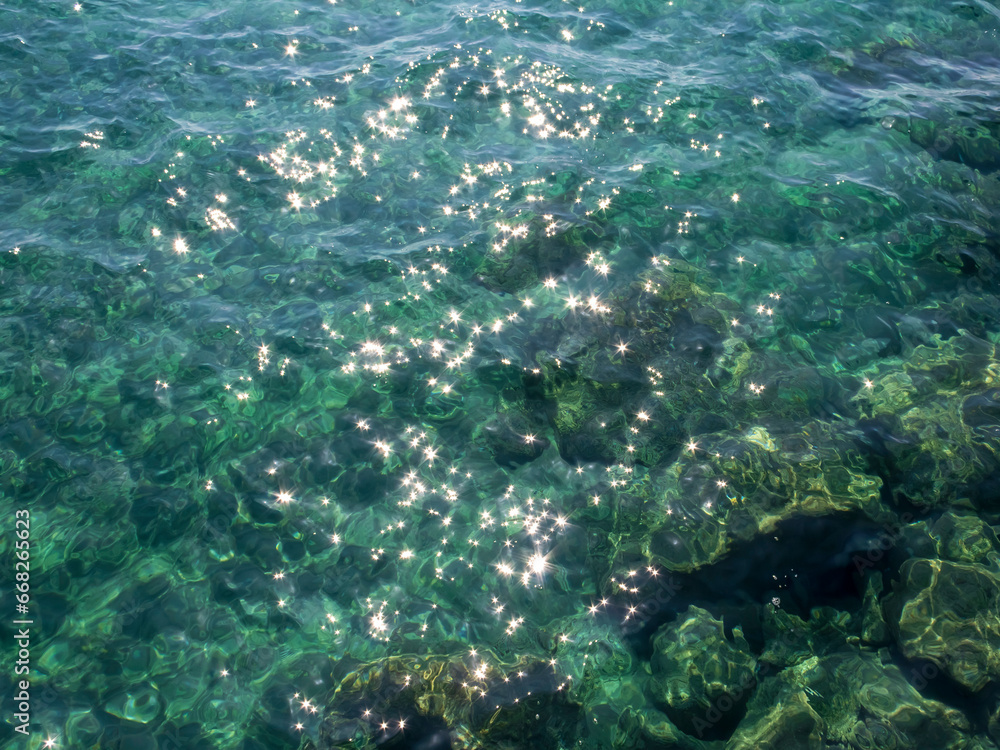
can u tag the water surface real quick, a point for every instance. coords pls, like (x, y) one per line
(525, 374)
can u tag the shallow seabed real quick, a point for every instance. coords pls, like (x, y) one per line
(512, 375)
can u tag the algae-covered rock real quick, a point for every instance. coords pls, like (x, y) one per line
(927, 409)
(593, 412)
(577, 422)
(949, 614)
(787, 724)
(813, 471)
(965, 539)
(499, 703)
(511, 438)
(524, 263)
(696, 668)
(966, 142)
(874, 630)
(649, 728)
(790, 640)
(609, 685)
(542, 718)
(681, 545)
(851, 698)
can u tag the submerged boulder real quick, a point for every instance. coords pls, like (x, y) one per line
(967, 142)
(848, 699)
(701, 678)
(511, 438)
(949, 614)
(966, 539)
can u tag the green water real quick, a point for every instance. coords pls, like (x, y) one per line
(516, 375)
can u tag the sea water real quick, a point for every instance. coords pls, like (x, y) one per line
(516, 374)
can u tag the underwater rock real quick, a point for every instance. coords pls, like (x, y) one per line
(656, 447)
(141, 704)
(511, 439)
(928, 446)
(965, 539)
(679, 546)
(697, 669)
(679, 304)
(581, 406)
(608, 684)
(649, 728)
(967, 142)
(543, 718)
(982, 412)
(790, 640)
(519, 703)
(856, 699)
(874, 630)
(734, 363)
(813, 471)
(341, 731)
(594, 392)
(949, 614)
(791, 723)
(513, 270)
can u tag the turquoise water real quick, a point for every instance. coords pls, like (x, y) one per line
(514, 375)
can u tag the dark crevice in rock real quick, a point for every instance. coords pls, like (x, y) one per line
(822, 568)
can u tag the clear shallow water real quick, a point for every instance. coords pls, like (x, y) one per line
(516, 375)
